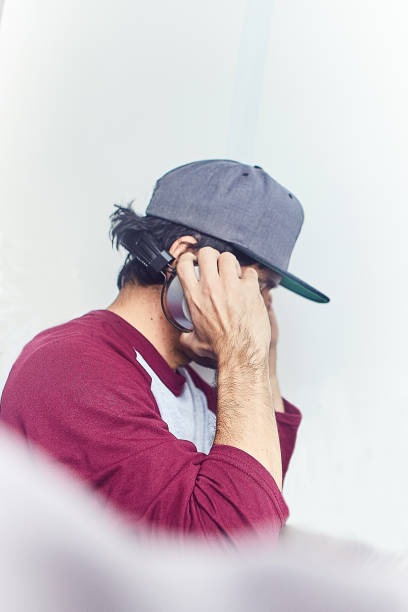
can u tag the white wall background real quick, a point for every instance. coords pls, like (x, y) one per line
(98, 99)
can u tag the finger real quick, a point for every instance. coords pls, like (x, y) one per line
(251, 275)
(228, 267)
(208, 264)
(185, 271)
(194, 346)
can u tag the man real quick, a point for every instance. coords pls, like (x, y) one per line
(111, 395)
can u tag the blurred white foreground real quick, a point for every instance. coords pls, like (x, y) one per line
(61, 551)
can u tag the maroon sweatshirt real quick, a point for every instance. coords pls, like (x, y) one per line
(78, 392)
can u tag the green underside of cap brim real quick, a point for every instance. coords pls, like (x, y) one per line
(302, 289)
(289, 281)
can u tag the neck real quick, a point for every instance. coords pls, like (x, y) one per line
(141, 307)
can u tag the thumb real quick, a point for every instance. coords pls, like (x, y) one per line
(193, 345)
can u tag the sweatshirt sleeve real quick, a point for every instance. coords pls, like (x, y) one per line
(104, 424)
(288, 423)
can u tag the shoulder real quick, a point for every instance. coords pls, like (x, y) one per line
(83, 347)
(65, 373)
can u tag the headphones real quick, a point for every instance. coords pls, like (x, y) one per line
(157, 261)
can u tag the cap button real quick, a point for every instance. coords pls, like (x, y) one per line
(259, 167)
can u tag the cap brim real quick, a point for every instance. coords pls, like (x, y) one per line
(290, 281)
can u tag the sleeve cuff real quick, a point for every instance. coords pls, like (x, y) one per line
(291, 416)
(254, 469)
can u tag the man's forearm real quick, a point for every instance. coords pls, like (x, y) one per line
(246, 414)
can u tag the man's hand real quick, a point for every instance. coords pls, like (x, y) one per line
(277, 399)
(267, 296)
(226, 308)
(230, 321)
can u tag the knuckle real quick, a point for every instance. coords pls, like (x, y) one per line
(251, 273)
(227, 255)
(207, 250)
(185, 256)
(209, 291)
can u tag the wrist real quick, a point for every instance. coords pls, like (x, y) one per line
(253, 360)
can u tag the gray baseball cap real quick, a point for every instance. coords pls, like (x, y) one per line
(240, 204)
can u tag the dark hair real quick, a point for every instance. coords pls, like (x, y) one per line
(126, 226)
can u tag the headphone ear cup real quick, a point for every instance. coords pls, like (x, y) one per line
(177, 304)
